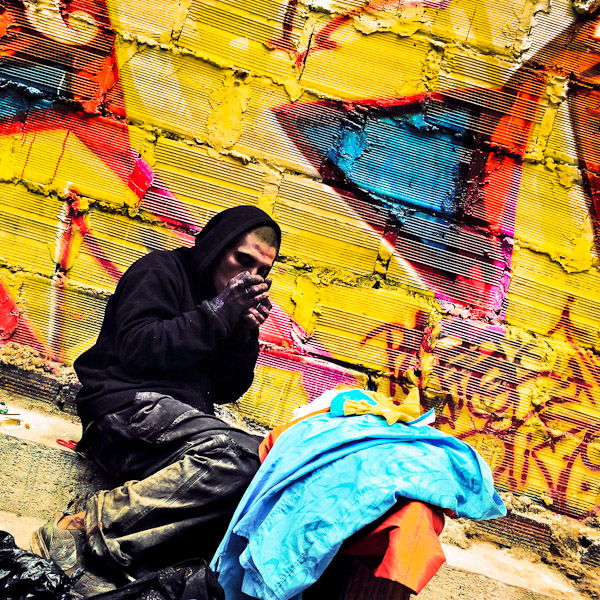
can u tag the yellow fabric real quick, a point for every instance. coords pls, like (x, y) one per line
(408, 410)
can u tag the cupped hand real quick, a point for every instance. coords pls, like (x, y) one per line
(244, 291)
(255, 316)
(245, 296)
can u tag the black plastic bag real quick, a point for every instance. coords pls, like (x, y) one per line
(27, 576)
(189, 580)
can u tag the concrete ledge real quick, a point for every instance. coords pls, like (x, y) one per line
(37, 475)
(35, 480)
(58, 390)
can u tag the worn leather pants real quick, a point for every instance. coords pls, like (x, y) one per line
(182, 473)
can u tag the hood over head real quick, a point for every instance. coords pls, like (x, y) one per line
(223, 229)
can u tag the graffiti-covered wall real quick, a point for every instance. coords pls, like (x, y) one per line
(433, 165)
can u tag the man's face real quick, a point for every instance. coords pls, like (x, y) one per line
(249, 253)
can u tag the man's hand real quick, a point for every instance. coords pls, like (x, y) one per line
(255, 316)
(245, 291)
(245, 298)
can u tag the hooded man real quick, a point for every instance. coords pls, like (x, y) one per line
(180, 333)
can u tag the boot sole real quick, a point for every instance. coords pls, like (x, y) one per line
(37, 545)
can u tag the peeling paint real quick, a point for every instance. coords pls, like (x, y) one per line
(229, 104)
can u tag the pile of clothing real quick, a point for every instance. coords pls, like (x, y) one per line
(361, 465)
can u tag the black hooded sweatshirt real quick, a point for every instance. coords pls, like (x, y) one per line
(159, 334)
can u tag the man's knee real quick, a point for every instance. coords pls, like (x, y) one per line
(229, 461)
(245, 447)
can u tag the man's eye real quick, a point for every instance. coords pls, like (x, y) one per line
(244, 260)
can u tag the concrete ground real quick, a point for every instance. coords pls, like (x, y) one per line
(504, 566)
(19, 527)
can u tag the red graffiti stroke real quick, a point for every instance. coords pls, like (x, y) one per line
(399, 357)
(490, 385)
(9, 314)
(15, 328)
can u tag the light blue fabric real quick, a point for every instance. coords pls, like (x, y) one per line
(327, 477)
(336, 408)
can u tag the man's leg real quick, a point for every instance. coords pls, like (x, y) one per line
(189, 502)
(184, 474)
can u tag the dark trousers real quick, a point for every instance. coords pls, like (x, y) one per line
(181, 474)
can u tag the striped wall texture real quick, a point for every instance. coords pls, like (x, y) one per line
(434, 166)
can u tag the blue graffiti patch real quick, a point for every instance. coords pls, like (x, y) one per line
(402, 156)
(12, 106)
(420, 163)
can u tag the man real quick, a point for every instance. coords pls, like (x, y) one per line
(180, 333)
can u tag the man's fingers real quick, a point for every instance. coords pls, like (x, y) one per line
(250, 280)
(245, 280)
(253, 318)
(254, 313)
(267, 303)
(248, 301)
(263, 310)
(261, 299)
(258, 313)
(239, 279)
(258, 290)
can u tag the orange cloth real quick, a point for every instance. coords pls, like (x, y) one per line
(403, 545)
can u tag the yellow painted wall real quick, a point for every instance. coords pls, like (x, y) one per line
(432, 164)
